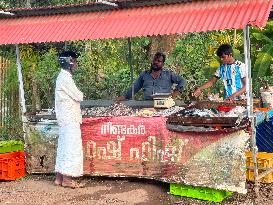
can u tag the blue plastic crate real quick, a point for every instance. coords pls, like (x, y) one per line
(264, 136)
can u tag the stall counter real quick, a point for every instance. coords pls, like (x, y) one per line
(143, 147)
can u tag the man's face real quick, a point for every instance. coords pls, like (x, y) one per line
(227, 59)
(75, 65)
(158, 63)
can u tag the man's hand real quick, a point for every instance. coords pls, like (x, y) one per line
(208, 84)
(175, 94)
(231, 99)
(197, 92)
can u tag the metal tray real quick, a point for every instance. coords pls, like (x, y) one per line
(213, 104)
(199, 130)
(203, 121)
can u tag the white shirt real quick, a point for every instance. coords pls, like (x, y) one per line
(67, 99)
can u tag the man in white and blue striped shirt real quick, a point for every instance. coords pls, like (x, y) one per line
(232, 72)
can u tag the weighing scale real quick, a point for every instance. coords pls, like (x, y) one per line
(163, 100)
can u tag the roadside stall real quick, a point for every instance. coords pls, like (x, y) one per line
(139, 143)
(175, 144)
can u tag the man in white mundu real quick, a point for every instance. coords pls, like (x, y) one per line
(69, 160)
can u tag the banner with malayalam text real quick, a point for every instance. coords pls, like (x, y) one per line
(144, 147)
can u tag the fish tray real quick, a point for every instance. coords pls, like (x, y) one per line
(205, 104)
(203, 121)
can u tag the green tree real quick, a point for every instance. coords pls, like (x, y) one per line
(104, 66)
(262, 55)
(189, 59)
(47, 71)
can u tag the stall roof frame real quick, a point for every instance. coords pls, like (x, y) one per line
(132, 18)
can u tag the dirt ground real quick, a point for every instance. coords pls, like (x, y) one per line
(39, 189)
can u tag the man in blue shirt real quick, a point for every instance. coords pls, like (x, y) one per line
(156, 80)
(232, 72)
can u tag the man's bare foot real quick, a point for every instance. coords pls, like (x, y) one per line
(59, 179)
(72, 184)
(57, 182)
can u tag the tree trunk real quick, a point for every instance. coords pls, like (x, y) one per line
(164, 44)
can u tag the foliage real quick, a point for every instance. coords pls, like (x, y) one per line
(3, 4)
(189, 60)
(262, 55)
(11, 80)
(29, 60)
(46, 74)
(12, 129)
(99, 60)
(104, 71)
(194, 57)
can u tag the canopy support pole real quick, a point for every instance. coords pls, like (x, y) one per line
(250, 105)
(65, 45)
(131, 67)
(21, 89)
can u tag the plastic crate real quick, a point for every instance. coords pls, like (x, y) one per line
(4, 147)
(264, 134)
(264, 160)
(11, 146)
(196, 192)
(12, 165)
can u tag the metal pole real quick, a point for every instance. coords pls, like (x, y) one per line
(28, 4)
(250, 104)
(131, 67)
(21, 89)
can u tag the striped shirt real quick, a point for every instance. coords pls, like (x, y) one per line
(232, 75)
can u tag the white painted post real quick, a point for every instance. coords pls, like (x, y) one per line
(21, 89)
(250, 104)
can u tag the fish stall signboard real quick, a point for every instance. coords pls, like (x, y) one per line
(144, 147)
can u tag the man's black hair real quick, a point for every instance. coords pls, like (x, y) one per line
(69, 54)
(159, 54)
(65, 59)
(224, 49)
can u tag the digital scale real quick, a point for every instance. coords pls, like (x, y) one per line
(163, 100)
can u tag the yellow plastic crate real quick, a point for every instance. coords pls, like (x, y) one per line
(264, 160)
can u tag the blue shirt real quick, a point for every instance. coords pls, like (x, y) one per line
(232, 75)
(162, 84)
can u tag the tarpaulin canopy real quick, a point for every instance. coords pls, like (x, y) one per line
(122, 22)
